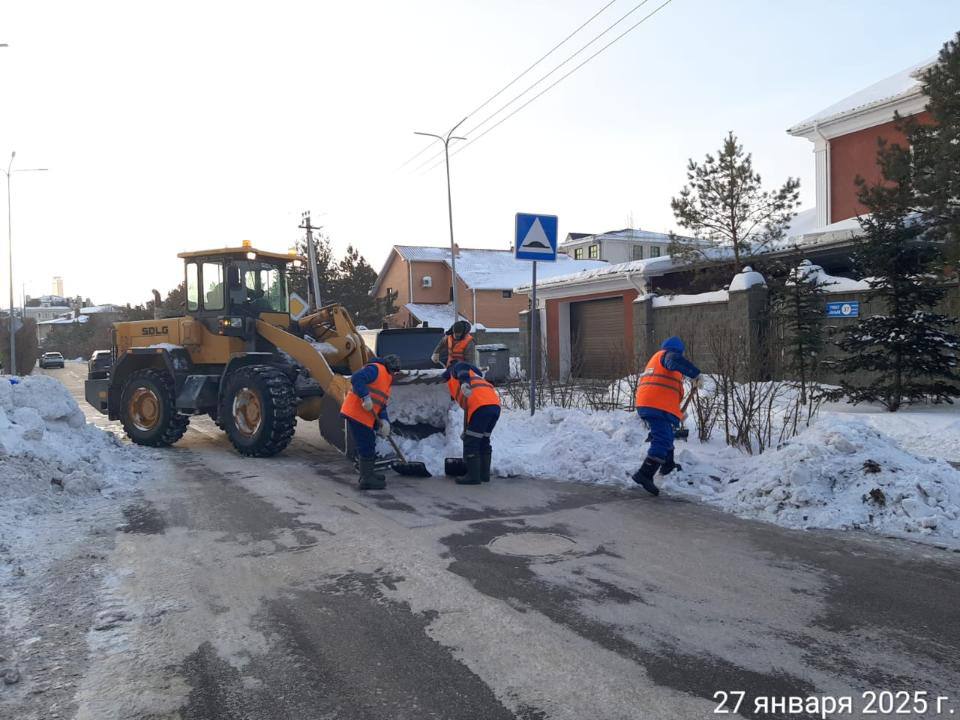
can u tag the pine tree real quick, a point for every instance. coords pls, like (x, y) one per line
(354, 279)
(907, 352)
(935, 152)
(724, 201)
(800, 311)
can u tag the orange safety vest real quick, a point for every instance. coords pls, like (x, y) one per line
(660, 388)
(482, 394)
(379, 392)
(457, 349)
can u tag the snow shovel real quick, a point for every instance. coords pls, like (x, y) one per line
(683, 432)
(402, 467)
(454, 467)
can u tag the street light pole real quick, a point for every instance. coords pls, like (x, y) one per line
(12, 370)
(453, 250)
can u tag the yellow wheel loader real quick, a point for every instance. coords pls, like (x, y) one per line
(241, 358)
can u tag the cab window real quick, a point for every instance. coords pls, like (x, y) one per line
(193, 287)
(261, 287)
(212, 274)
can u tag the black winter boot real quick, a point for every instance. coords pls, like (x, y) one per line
(644, 476)
(474, 474)
(669, 465)
(487, 457)
(369, 479)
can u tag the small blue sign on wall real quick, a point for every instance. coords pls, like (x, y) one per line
(845, 309)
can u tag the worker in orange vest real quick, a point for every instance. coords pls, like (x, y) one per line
(456, 346)
(365, 409)
(658, 399)
(481, 407)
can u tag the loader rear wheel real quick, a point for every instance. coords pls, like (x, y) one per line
(258, 410)
(148, 411)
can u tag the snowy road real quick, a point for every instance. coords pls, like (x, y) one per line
(238, 588)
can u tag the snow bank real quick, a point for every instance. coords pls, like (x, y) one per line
(714, 296)
(50, 457)
(841, 474)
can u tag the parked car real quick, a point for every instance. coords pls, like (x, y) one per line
(100, 364)
(51, 360)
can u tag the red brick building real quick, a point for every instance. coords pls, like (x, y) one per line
(845, 134)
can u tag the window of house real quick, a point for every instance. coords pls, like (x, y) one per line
(212, 274)
(193, 287)
(638, 252)
(594, 252)
(655, 251)
(578, 253)
(508, 293)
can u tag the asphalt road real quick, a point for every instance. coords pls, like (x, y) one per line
(274, 589)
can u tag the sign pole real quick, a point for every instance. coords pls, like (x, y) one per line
(534, 332)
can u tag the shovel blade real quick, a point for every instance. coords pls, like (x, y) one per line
(455, 467)
(410, 469)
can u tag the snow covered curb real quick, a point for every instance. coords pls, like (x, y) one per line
(842, 473)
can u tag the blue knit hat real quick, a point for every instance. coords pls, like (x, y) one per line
(673, 344)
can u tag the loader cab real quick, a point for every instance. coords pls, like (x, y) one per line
(228, 289)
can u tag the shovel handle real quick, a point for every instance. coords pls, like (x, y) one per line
(396, 448)
(686, 403)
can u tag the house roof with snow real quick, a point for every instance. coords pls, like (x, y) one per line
(621, 275)
(874, 104)
(65, 320)
(626, 234)
(481, 269)
(97, 309)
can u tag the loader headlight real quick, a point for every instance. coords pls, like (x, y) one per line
(231, 322)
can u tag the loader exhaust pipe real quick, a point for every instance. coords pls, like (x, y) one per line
(157, 303)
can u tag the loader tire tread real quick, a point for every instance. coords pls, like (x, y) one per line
(173, 424)
(279, 406)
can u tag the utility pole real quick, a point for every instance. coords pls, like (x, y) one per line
(312, 257)
(12, 370)
(453, 248)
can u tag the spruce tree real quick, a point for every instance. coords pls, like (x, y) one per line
(935, 152)
(907, 353)
(354, 279)
(724, 201)
(800, 309)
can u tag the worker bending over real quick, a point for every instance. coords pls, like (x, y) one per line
(659, 394)
(456, 346)
(365, 409)
(481, 407)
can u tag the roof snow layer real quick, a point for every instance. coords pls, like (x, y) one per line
(496, 269)
(904, 83)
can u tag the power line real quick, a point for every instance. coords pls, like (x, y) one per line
(594, 39)
(561, 79)
(505, 87)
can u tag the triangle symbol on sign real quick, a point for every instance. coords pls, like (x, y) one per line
(536, 238)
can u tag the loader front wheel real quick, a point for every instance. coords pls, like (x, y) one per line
(148, 411)
(258, 410)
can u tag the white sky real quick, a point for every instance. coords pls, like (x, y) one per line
(183, 125)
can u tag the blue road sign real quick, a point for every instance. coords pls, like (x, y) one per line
(847, 309)
(536, 237)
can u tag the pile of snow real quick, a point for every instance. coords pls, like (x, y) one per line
(746, 279)
(829, 283)
(50, 458)
(841, 473)
(419, 397)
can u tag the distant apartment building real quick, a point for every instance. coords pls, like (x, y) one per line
(617, 246)
(57, 285)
